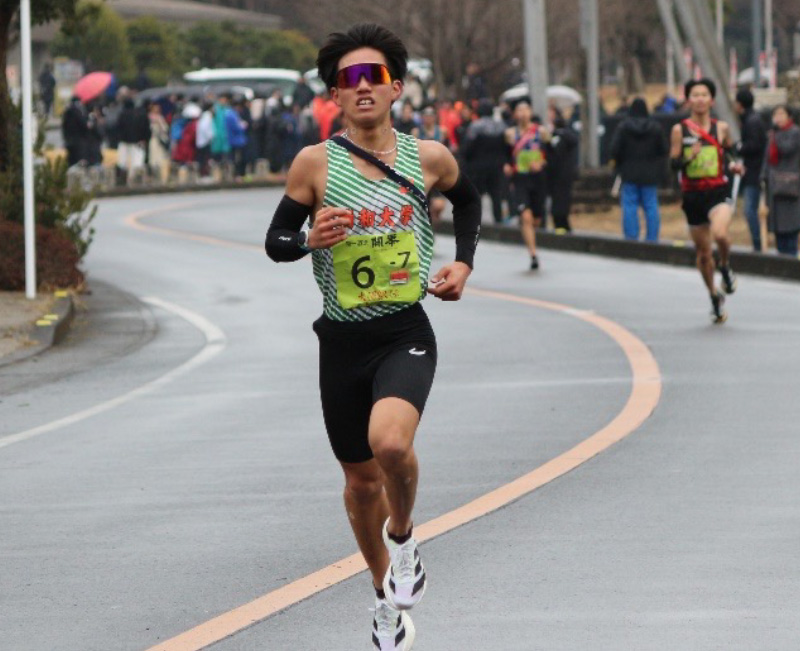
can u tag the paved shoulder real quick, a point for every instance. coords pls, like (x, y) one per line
(109, 323)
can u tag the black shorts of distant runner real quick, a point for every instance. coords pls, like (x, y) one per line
(698, 205)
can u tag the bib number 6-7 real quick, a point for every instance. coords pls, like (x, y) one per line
(374, 269)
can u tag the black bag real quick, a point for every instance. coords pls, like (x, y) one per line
(386, 169)
(785, 185)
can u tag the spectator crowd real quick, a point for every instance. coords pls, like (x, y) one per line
(526, 164)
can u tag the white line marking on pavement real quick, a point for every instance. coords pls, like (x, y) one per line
(215, 344)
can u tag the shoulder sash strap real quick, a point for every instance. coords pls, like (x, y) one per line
(350, 146)
(703, 133)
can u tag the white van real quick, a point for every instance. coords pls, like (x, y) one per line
(281, 78)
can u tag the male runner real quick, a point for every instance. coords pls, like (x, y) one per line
(698, 152)
(371, 244)
(527, 143)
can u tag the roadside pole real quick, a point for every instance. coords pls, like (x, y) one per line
(768, 44)
(590, 39)
(756, 41)
(27, 149)
(536, 54)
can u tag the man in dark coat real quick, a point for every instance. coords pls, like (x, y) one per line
(639, 149)
(751, 148)
(484, 151)
(75, 130)
(561, 169)
(47, 86)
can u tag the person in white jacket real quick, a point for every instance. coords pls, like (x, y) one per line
(205, 133)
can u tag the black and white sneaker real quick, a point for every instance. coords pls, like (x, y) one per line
(392, 629)
(729, 281)
(718, 313)
(405, 580)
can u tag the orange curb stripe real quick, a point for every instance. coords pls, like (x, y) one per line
(644, 397)
(133, 221)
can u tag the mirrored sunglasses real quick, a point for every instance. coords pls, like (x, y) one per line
(374, 73)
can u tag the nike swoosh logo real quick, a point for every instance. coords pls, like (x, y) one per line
(414, 351)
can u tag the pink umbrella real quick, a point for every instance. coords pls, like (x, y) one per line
(92, 85)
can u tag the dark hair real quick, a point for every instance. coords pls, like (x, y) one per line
(638, 108)
(745, 98)
(485, 108)
(358, 36)
(786, 109)
(705, 81)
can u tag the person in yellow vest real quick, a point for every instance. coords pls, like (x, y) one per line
(527, 141)
(699, 150)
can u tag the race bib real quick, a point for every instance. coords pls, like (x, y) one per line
(530, 160)
(381, 268)
(705, 166)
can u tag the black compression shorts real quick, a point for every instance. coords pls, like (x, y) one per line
(392, 356)
(530, 193)
(698, 205)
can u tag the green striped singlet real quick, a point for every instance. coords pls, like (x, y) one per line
(379, 208)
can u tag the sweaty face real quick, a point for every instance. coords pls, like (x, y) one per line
(700, 99)
(367, 103)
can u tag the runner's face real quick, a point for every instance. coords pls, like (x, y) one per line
(522, 114)
(366, 104)
(700, 100)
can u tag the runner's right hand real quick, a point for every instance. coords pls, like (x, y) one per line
(330, 228)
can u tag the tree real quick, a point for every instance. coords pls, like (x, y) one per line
(42, 11)
(154, 46)
(214, 45)
(97, 37)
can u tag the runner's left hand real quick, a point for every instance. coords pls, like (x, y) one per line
(448, 283)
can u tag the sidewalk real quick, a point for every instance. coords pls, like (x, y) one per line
(18, 316)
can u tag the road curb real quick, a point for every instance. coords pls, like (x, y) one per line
(117, 193)
(49, 330)
(676, 253)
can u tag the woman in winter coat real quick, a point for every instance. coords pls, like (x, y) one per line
(782, 175)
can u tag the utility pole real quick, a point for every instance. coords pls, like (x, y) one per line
(27, 149)
(590, 40)
(768, 44)
(697, 23)
(720, 25)
(756, 38)
(536, 54)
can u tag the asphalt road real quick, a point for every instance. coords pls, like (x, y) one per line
(168, 463)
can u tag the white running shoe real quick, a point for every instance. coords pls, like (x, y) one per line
(392, 629)
(405, 580)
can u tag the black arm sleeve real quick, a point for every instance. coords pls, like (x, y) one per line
(281, 243)
(466, 218)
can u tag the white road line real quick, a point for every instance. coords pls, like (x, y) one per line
(215, 344)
